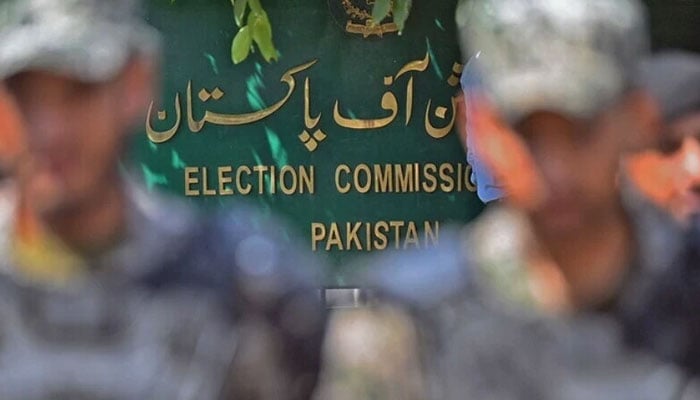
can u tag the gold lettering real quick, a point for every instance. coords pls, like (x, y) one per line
(191, 179)
(467, 179)
(160, 137)
(404, 178)
(389, 103)
(287, 170)
(416, 176)
(368, 235)
(231, 119)
(224, 179)
(306, 179)
(260, 169)
(411, 236)
(362, 188)
(431, 235)
(416, 65)
(439, 133)
(318, 233)
(244, 190)
(459, 177)
(340, 169)
(369, 29)
(334, 238)
(382, 178)
(429, 177)
(373, 236)
(447, 183)
(272, 180)
(205, 189)
(409, 100)
(309, 121)
(396, 225)
(352, 236)
(381, 228)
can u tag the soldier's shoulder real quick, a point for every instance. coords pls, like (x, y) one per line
(460, 266)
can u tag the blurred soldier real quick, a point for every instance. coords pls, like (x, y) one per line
(527, 301)
(107, 291)
(670, 173)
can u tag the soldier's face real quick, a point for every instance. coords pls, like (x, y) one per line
(670, 175)
(685, 163)
(578, 163)
(75, 134)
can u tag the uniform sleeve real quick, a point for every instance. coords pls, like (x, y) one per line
(371, 353)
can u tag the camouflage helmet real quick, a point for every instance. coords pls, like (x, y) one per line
(575, 57)
(673, 78)
(89, 40)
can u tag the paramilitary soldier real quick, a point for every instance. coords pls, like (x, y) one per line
(528, 301)
(108, 291)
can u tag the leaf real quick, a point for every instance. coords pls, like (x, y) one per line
(239, 7)
(262, 34)
(401, 10)
(255, 6)
(241, 45)
(262, 31)
(380, 10)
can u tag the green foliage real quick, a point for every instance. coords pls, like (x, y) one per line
(398, 8)
(239, 7)
(401, 10)
(380, 10)
(240, 48)
(256, 30)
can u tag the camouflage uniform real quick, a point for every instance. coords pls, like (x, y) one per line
(669, 322)
(460, 322)
(182, 308)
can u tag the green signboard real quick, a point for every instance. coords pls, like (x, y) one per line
(350, 134)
